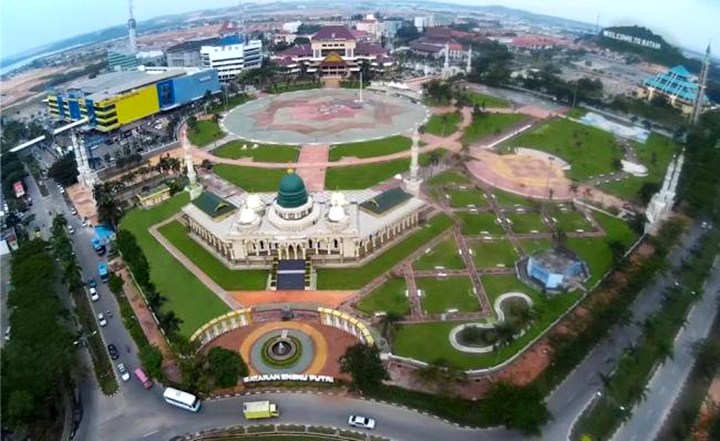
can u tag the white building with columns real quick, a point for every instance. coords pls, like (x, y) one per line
(329, 228)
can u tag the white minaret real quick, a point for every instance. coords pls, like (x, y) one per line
(412, 183)
(468, 67)
(702, 85)
(132, 31)
(445, 74)
(193, 187)
(662, 202)
(85, 173)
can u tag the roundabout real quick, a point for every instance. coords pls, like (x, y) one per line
(323, 116)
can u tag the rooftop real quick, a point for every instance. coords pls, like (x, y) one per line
(676, 81)
(110, 84)
(192, 45)
(334, 33)
(556, 260)
(385, 201)
(213, 205)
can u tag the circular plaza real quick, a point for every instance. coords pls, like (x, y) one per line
(324, 116)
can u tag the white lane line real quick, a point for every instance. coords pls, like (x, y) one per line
(150, 433)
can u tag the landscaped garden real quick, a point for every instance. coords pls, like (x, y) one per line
(444, 124)
(479, 223)
(204, 132)
(489, 124)
(571, 221)
(442, 294)
(369, 149)
(449, 177)
(390, 297)
(249, 178)
(589, 151)
(505, 199)
(527, 223)
(493, 253)
(486, 101)
(258, 152)
(467, 197)
(445, 255)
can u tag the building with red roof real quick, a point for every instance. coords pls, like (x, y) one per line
(435, 40)
(333, 51)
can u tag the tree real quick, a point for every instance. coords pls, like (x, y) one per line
(647, 191)
(618, 251)
(115, 283)
(363, 364)
(707, 356)
(434, 160)
(64, 170)
(517, 407)
(388, 325)
(108, 208)
(226, 366)
(169, 322)
(443, 375)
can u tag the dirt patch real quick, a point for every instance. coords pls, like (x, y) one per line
(18, 86)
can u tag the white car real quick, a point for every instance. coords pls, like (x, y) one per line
(361, 422)
(101, 320)
(73, 211)
(71, 230)
(94, 296)
(124, 374)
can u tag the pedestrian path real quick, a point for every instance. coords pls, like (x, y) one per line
(314, 177)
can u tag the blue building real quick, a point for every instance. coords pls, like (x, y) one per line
(677, 85)
(553, 270)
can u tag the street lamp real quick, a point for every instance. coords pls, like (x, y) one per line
(599, 394)
(83, 338)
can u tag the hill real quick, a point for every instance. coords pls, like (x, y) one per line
(645, 44)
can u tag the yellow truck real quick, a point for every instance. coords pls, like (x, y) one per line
(254, 410)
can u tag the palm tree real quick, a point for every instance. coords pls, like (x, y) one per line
(388, 325)
(664, 349)
(169, 322)
(433, 159)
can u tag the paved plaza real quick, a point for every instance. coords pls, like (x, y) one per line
(324, 116)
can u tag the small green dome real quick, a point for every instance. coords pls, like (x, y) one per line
(292, 193)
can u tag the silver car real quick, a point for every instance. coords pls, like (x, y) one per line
(361, 422)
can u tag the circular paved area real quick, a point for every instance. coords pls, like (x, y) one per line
(312, 360)
(307, 348)
(323, 116)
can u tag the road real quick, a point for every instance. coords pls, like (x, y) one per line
(135, 413)
(667, 382)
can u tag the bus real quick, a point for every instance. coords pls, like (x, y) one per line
(182, 399)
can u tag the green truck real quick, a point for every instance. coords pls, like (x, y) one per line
(254, 410)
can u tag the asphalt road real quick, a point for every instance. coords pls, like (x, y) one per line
(138, 414)
(667, 382)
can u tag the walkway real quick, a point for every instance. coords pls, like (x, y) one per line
(314, 177)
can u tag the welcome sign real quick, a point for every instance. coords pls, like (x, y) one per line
(288, 377)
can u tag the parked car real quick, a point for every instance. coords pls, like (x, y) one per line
(113, 351)
(124, 374)
(71, 230)
(94, 296)
(101, 319)
(7, 334)
(361, 422)
(91, 283)
(73, 211)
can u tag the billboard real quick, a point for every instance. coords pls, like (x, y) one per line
(19, 189)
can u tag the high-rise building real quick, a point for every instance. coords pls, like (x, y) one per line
(231, 55)
(132, 31)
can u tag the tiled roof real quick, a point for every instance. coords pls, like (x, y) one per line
(676, 82)
(213, 205)
(385, 202)
(369, 49)
(296, 51)
(334, 33)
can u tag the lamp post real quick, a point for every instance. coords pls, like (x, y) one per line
(599, 394)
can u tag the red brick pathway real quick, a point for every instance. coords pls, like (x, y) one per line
(314, 177)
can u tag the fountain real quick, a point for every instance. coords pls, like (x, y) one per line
(281, 347)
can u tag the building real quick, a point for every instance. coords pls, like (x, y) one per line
(119, 59)
(434, 42)
(324, 228)
(677, 86)
(291, 27)
(390, 28)
(554, 270)
(187, 53)
(371, 25)
(231, 55)
(116, 99)
(334, 51)
(423, 23)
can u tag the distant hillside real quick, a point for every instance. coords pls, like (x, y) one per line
(645, 44)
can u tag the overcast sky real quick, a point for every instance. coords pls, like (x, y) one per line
(25, 24)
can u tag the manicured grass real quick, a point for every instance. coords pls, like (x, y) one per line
(489, 124)
(491, 253)
(206, 132)
(356, 278)
(264, 152)
(249, 178)
(497, 285)
(463, 198)
(390, 297)
(532, 246)
(505, 199)
(445, 293)
(476, 223)
(449, 177)
(595, 252)
(571, 221)
(282, 88)
(192, 301)
(443, 125)
(589, 151)
(576, 113)
(232, 280)
(487, 100)
(369, 149)
(616, 229)
(655, 154)
(445, 254)
(527, 222)
(363, 176)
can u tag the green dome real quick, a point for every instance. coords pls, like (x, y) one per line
(292, 193)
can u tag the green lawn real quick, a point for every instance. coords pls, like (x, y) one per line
(463, 198)
(206, 132)
(443, 125)
(476, 223)
(527, 222)
(356, 278)
(489, 124)
(491, 253)
(249, 178)
(497, 285)
(264, 152)
(487, 100)
(363, 176)
(589, 151)
(192, 301)
(655, 154)
(449, 177)
(390, 297)
(231, 280)
(505, 199)
(445, 293)
(445, 254)
(595, 252)
(369, 149)
(616, 229)
(532, 246)
(571, 221)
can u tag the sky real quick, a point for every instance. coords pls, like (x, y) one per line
(26, 24)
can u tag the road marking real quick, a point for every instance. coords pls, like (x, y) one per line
(150, 433)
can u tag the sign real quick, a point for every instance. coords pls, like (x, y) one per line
(288, 377)
(19, 189)
(632, 40)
